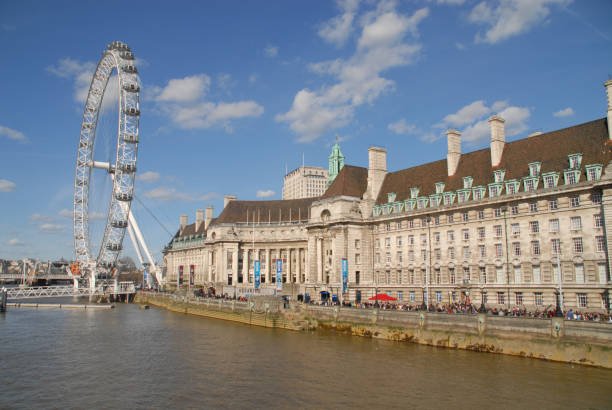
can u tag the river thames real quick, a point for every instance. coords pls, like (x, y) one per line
(131, 358)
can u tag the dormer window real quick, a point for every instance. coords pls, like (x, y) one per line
(499, 175)
(593, 172)
(467, 182)
(414, 193)
(376, 211)
(439, 187)
(422, 203)
(391, 197)
(571, 176)
(409, 204)
(495, 190)
(512, 187)
(478, 193)
(449, 198)
(530, 183)
(463, 195)
(575, 161)
(534, 169)
(434, 200)
(550, 179)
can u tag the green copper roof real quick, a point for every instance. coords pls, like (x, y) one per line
(336, 162)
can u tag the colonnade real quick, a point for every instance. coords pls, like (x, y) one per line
(293, 268)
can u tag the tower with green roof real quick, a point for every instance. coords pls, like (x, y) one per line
(336, 162)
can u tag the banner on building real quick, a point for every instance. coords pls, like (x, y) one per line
(191, 275)
(180, 276)
(279, 274)
(257, 274)
(344, 275)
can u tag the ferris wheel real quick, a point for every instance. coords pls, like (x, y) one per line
(118, 58)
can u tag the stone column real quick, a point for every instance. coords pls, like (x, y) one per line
(319, 260)
(298, 271)
(235, 266)
(245, 265)
(289, 278)
(268, 265)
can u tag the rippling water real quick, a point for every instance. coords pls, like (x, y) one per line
(131, 358)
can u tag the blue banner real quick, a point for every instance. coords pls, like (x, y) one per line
(344, 275)
(257, 274)
(279, 274)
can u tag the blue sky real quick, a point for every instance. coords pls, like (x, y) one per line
(236, 91)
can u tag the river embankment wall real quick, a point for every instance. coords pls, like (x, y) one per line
(556, 339)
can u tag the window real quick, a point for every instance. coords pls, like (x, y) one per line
(535, 248)
(577, 242)
(534, 169)
(466, 274)
(600, 244)
(499, 252)
(377, 243)
(571, 177)
(519, 298)
(604, 277)
(553, 204)
(533, 207)
(539, 299)
(398, 225)
(412, 296)
(497, 212)
(388, 257)
(530, 184)
(498, 231)
(411, 223)
(411, 255)
(579, 269)
(438, 276)
(466, 252)
(481, 214)
(537, 275)
(465, 233)
(501, 298)
(582, 300)
(514, 209)
(400, 258)
(436, 236)
(483, 275)
(515, 229)
(555, 246)
(498, 175)
(516, 248)
(512, 187)
(576, 223)
(387, 227)
(550, 179)
(451, 219)
(399, 241)
(482, 250)
(554, 225)
(575, 201)
(466, 217)
(598, 221)
(230, 259)
(481, 232)
(411, 240)
(495, 190)
(451, 275)
(357, 243)
(593, 172)
(438, 254)
(437, 220)
(400, 295)
(423, 254)
(424, 238)
(451, 253)
(534, 227)
(438, 296)
(450, 236)
(596, 198)
(575, 160)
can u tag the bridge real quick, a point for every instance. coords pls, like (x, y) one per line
(102, 289)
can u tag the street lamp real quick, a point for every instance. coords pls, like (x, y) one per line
(504, 210)
(482, 308)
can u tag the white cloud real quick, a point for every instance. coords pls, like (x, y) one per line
(380, 47)
(271, 51)
(509, 18)
(12, 134)
(41, 218)
(49, 228)
(516, 123)
(467, 114)
(66, 213)
(566, 112)
(185, 89)
(401, 127)
(170, 194)
(338, 29)
(15, 242)
(149, 176)
(452, 2)
(265, 194)
(7, 186)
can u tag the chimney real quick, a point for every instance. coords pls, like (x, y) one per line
(227, 199)
(454, 151)
(199, 219)
(209, 217)
(183, 223)
(498, 139)
(608, 85)
(377, 170)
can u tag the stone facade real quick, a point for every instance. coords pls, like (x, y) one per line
(305, 182)
(512, 225)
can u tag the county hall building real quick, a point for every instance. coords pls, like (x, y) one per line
(514, 224)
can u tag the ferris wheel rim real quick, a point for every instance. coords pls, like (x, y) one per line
(117, 57)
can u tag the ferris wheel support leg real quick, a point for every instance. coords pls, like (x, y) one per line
(145, 248)
(135, 242)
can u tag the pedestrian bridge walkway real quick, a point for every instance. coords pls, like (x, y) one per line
(121, 288)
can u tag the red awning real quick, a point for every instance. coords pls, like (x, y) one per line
(382, 297)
